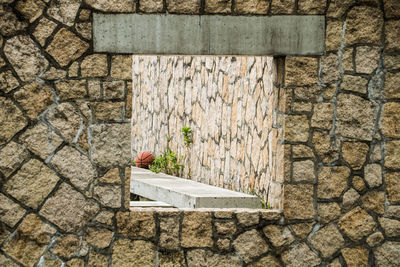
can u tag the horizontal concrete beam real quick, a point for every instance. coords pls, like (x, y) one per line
(208, 35)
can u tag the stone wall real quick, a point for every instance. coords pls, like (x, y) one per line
(230, 103)
(64, 142)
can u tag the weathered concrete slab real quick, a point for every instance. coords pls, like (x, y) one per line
(149, 204)
(208, 35)
(183, 193)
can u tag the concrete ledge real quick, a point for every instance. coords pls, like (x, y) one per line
(183, 193)
(208, 35)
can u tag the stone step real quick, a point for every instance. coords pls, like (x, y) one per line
(149, 204)
(184, 193)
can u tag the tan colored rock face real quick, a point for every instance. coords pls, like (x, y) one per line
(390, 227)
(99, 237)
(366, 59)
(375, 239)
(66, 47)
(388, 254)
(113, 5)
(322, 116)
(333, 35)
(392, 154)
(225, 228)
(11, 157)
(251, 7)
(71, 89)
(30, 9)
(356, 224)
(199, 257)
(392, 30)
(84, 29)
(328, 212)
(218, 6)
(9, 22)
(357, 256)
(65, 246)
(196, 230)
(151, 6)
(358, 183)
(332, 181)
(169, 232)
(392, 81)
(25, 57)
(329, 68)
(282, 7)
(97, 260)
(7, 262)
(43, 30)
(392, 62)
(373, 175)
(328, 151)
(296, 128)
(64, 11)
(311, 7)
(248, 219)
(108, 195)
(364, 25)
(374, 201)
(303, 171)
(34, 98)
(121, 67)
(69, 209)
(136, 224)
(301, 71)
(355, 153)
(355, 117)
(389, 120)
(11, 120)
(133, 253)
(114, 89)
(66, 119)
(107, 110)
(298, 201)
(393, 186)
(250, 245)
(171, 259)
(354, 83)
(327, 235)
(10, 212)
(32, 183)
(308, 258)
(7, 81)
(279, 236)
(94, 66)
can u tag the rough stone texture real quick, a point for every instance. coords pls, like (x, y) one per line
(298, 201)
(68, 209)
(32, 183)
(94, 66)
(302, 229)
(349, 198)
(43, 30)
(54, 74)
(390, 116)
(311, 7)
(392, 85)
(105, 217)
(97, 260)
(282, 7)
(375, 239)
(114, 89)
(66, 245)
(169, 232)
(99, 237)
(354, 83)
(110, 144)
(392, 8)
(393, 186)
(66, 47)
(392, 29)
(356, 224)
(303, 171)
(310, 93)
(133, 253)
(11, 157)
(71, 89)
(269, 260)
(218, 6)
(10, 212)
(328, 212)
(392, 154)
(151, 6)
(392, 62)
(74, 166)
(355, 117)
(121, 67)
(364, 25)
(225, 228)
(9, 22)
(64, 11)
(25, 57)
(108, 195)
(248, 219)
(327, 235)
(333, 35)
(7, 81)
(171, 259)
(251, 6)
(355, 153)
(34, 98)
(366, 59)
(356, 256)
(279, 236)
(7, 262)
(108, 110)
(296, 128)
(203, 258)
(373, 175)
(196, 230)
(358, 183)
(332, 181)
(329, 66)
(390, 227)
(84, 29)
(11, 120)
(136, 224)
(327, 150)
(250, 245)
(308, 257)
(30, 240)
(388, 254)
(302, 151)
(111, 176)
(300, 71)
(322, 117)
(125, 6)
(66, 119)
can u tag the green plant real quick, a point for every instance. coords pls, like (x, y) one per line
(167, 162)
(187, 136)
(264, 205)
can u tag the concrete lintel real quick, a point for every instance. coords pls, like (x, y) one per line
(167, 34)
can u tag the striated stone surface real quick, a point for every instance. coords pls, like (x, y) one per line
(279, 236)
(308, 257)
(133, 253)
(354, 83)
(169, 232)
(74, 166)
(301, 71)
(327, 235)
(25, 57)
(218, 6)
(66, 47)
(364, 25)
(84, 29)
(373, 175)
(298, 201)
(151, 6)
(69, 209)
(32, 183)
(389, 121)
(34, 98)
(332, 181)
(393, 186)
(390, 227)
(65, 245)
(303, 171)
(30, 240)
(333, 35)
(136, 224)
(203, 258)
(71, 89)
(171, 259)
(356, 256)
(121, 67)
(7, 81)
(392, 81)
(110, 144)
(322, 117)
(355, 117)
(11, 157)
(355, 153)
(366, 59)
(108, 195)
(248, 218)
(250, 245)
(11, 120)
(328, 212)
(113, 5)
(66, 119)
(392, 154)
(43, 30)
(9, 22)
(7, 262)
(94, 66)
(388, 254)
(196, 230)
(251, 6)
(356, 224)
(64, 11)
(10, 212)
(30, 9)
(99, 237)
(349, 198)
(375, 239)
(392, 29)
(296, 128)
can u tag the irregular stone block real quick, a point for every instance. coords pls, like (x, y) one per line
(388, 254)
(349, 198)
(269, 261)
(327, 235)
(311, 7)
(298, 201)
(64, 11)
(393, 186)
(121, 67)
(84, 29)
(358, 183)
(392, 154)
(43, 30)
(7, 81)
(251, 6)
(7, 262)
(392, 85)
(225, 228)
(354, 83)
(114, 89)
(218, 6)
(200, 257)
(65, 245)
(333, 35)
(248, 218)
(302, 229)
(169, 232)
(9, 22)
(282, 7)
(66, 119)
(279, 236)
(332, 181)
(356, 224)
(389, 121)
(355, 153)
(30, 9)
(136, 224)
(151, 6)
(11, 157)
(128, 252)
(300, 71)
(375, 239)
(94, 66)
(392, 62)
(171, 259)
(108, 195)
(303, 171)
(308, 257)
(250, 245)
(328, 212)
(356, 256)
(366, 59)
(108, 110)
(373, 175)
(390, 227)
(71, 89)
(327, 150)
(10, 212)
(97, 260)
(296, 128)
(11, 120)
(99, 237)
(329, 68)
(392, 8)
(392, 30)
(322, 116)
(183, 7)
(196, 230)
(113, 5)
